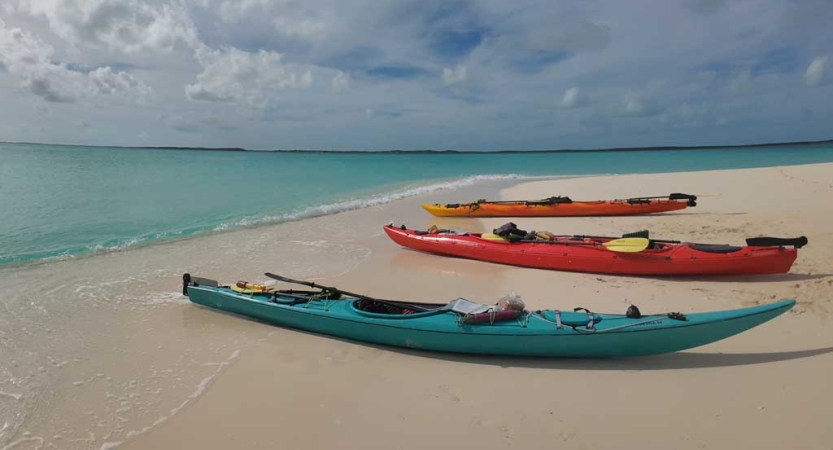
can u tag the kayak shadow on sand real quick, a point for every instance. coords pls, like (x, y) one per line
(748, 278)
(668, 361)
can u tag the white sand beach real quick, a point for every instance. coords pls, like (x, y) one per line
(146, 369)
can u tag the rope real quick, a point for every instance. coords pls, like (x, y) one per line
(559, 325)
(525, 321)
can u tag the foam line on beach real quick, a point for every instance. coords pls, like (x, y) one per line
(266, 220)
(367, 202)
(198, 391)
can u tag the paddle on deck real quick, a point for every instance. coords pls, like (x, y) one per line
(627, 245)
(623, 245)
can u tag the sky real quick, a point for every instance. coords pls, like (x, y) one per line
(415, 74)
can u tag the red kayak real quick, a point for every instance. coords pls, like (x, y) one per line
(601, 254)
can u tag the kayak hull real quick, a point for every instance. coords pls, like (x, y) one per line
(671, 260)
(612, 336)
(574, 209)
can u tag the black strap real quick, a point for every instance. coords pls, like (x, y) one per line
(770, 241)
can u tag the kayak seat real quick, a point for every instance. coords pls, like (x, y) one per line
(393, 307)
(711, 248)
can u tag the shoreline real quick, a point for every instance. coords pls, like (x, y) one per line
(121, 348)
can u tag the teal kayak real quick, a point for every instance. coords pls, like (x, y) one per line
(461, 326)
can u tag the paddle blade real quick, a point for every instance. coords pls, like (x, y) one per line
(627, 245)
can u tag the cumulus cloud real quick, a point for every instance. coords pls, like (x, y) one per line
(632, 105)
(253, 79)
(340, 82)
(290, 18)
(179, 123)
(121, 25)
(27, 57)
(817, 71)
(636, 105)
(572, 98)
(106, 82)
(454, 76)
(300, 26)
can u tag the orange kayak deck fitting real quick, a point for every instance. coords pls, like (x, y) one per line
(564, 207)
(589, 254)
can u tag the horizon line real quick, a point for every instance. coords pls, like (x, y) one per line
(399, 151)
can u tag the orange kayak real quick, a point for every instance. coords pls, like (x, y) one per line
(564, 207)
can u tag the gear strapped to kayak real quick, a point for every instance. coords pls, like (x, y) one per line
(463, 326)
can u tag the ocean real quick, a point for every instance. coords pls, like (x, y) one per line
(65, 201)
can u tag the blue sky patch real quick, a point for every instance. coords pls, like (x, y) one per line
(402, 72)
(452, 44)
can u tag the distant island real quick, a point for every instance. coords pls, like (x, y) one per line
(596, 150)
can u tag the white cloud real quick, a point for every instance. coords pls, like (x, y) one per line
(29, 58)
(632, 105)
(254, 79)
(454, 76)
(234, 10)
(119, 25)
(179, 123)
(300, 26)
(816, 71)
(341, 81)
(572, 98)
(638, 105)
(295, 19)
(104, 81)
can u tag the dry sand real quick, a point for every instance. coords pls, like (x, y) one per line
(767, 388)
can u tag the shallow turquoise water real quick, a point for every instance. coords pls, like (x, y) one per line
(59, 201)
